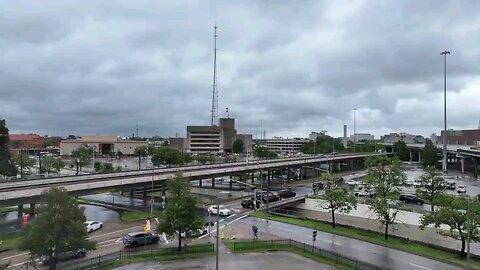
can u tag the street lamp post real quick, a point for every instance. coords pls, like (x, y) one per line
(354, 128)
(444, 160)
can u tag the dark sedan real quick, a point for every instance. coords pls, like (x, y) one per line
(285, 193)
(410, 198)
(139, 239)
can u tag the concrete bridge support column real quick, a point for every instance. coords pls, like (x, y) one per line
(462, 165)
(230, 183)
(213, 182)
(131, 193)
(20, 210)
(200, 182)
(411, 155)
(269, 176)
(32, 210)
(289, 174)
(253, 177)
(351, 165)
(144, 192)
(164, 192)
(475, 168)
(419, 156)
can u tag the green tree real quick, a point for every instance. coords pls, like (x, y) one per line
(181, 214)
(141, 151)
(23, 162)
(455, 213)
(385, 176)
(238, 146)
(165, 155)
(58, 228)
(337, 198)
(51, 164)
(433, 186)
(98, 166)
(429, 154)
(264, 153)
(401, 151)
(83, 154)
(205, 158)
(107, 167)
(323, 144)
(7, 168)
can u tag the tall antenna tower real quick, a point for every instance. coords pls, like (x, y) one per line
(214, 91)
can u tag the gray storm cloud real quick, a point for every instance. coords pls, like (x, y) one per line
(72, 68)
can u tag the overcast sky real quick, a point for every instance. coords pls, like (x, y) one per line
(296, 66)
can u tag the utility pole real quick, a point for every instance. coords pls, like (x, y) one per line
(444, 160)
(136, 126)
(21, 163)
(218, 234)
(469, 232)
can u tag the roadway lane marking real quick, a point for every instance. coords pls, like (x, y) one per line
(18, 264)
(221, 227)
(231, 216)
(10, 257)
(165, 237)
(419, 266)
(235, 209)
(107, 245)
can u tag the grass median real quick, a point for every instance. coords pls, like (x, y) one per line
(164, 254)
(266, 246)
(130, 216)
(9, 241)
(440, 254)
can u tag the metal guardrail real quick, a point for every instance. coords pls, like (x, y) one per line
(338, 258)
(127, 255)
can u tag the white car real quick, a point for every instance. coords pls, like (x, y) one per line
(409, 183)
(351, 182)
(417, 184)
(93, 225)
(222, 211)
(461, 189)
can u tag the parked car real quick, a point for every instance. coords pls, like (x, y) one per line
(410, 198)
(461, 189)
(134, 239)
(262, 193)
(417, 184)
(222, 211)
(250, 203)
(409, 183)
(285, 193)
(93, 225)
(451, 185)
(351, 182)
(45, 259)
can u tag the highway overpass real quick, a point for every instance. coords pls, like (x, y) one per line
(29, 191)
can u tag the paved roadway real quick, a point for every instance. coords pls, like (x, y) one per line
(383, 257)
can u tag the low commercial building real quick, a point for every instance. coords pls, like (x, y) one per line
(26, 141)
(177, 143)
(358, 137)
(314, 135)
(461, 137)
(405, 137)
(211, 139)
(103, 145)
(282, 145)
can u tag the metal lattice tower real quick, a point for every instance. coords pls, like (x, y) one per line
(214, 90)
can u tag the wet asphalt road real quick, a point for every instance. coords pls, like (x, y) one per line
(383, 257)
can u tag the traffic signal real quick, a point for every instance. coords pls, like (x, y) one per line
(314, 235)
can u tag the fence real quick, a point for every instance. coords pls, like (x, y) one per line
(128, 254)
(338, 258)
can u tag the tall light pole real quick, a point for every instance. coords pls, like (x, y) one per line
(354, 128)
(444, 160)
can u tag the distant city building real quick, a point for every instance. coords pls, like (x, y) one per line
(102, 145)
(362, 137)
(281, 145)
(177, 143)
(314, 135)
(227, 128)
(461, 137)
(247, 140)
(26, 141)
(211, 139)
(405, 137)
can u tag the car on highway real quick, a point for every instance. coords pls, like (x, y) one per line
(410, 198)
(285, 193)
(92, 225)
(451, 185)
(134, 239)
(222, 211)
(461, 189)
(65, 256)
(269, 197)
(249, 203)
